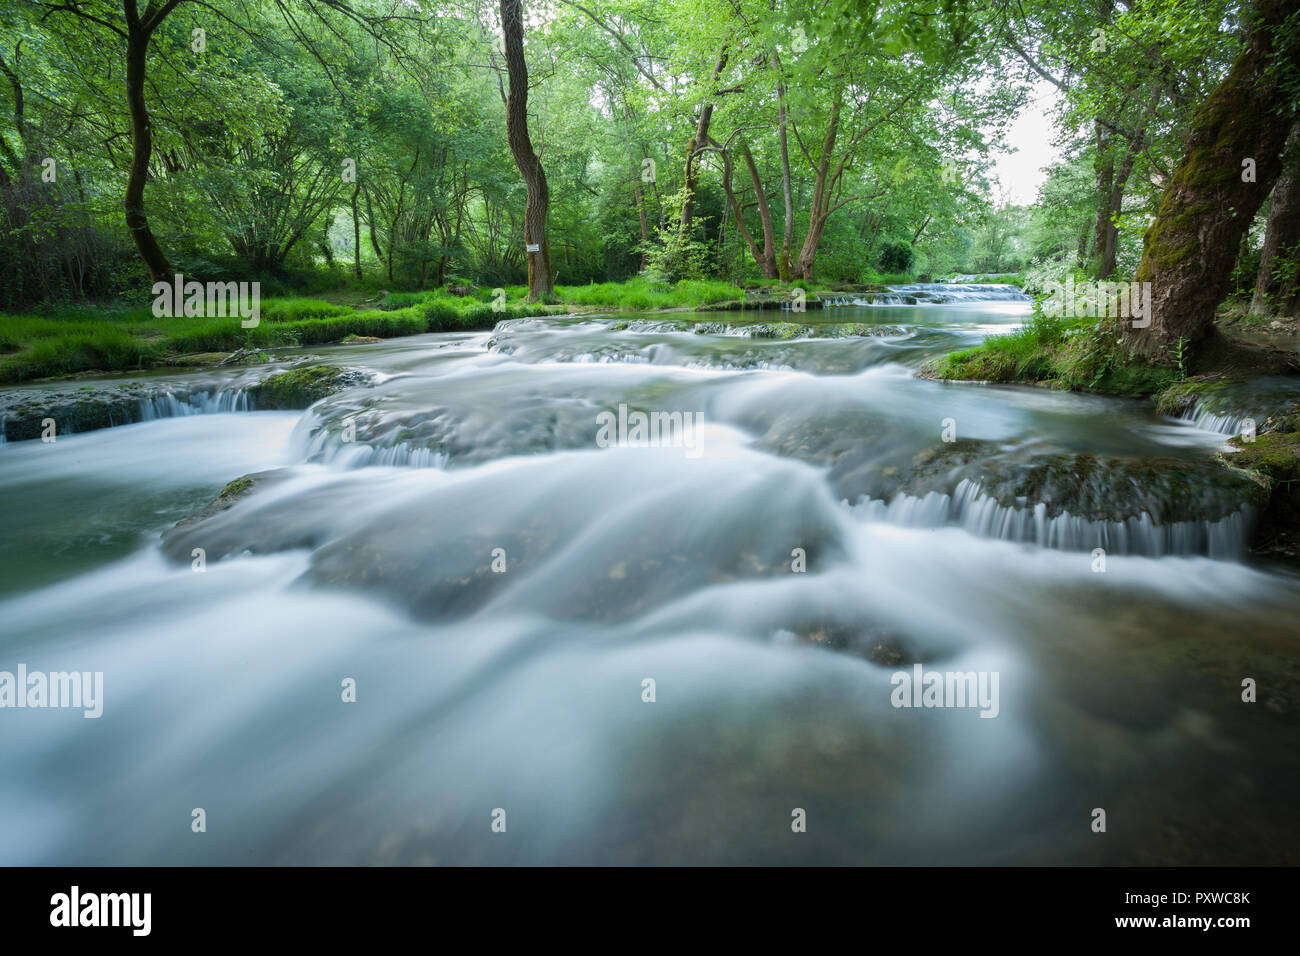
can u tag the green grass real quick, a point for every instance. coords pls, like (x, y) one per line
(78, 339)
(298, 309)
(115, 339)
(1082, 354)
(637, 295)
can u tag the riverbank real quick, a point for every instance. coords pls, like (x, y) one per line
(90, 340)
(1245, 384)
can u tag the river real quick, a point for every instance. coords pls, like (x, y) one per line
(505, 593)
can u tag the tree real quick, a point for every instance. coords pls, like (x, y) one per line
(1232, 158)
(1273, 293)
(541, 284)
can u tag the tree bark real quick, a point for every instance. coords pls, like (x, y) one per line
(1107, 233)
(356, 231)
(137, 49)
(1281, 237)
(701, 138)
(767, 264)
(23, 166)
(736, 210)
(541, 284)
(1190, 249)
(783, 119)
(1103, 230)
(639, 198)
(821, 199)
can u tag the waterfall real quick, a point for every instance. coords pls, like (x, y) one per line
(205, 402)
(934, 293)
(1204, 418)
(969, 508)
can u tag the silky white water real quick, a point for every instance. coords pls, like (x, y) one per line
(368, 557)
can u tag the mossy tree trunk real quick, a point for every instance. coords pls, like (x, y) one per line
(1273, 294)
(1191, 248)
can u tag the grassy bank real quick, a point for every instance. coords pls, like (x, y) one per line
(1068, 353)
(116, 338)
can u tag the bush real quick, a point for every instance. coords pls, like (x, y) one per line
(895, 256)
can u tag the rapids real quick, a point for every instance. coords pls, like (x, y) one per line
(500, 589)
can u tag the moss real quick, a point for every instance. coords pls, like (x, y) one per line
(300, 387)
(1079, 354)
(1273, 456)
(236, 488)
(1180, 396)
(973, 365)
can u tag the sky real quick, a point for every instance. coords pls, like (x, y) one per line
(1019, 174)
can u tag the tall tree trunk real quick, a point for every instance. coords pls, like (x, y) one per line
(783, 119)
(821, 199)
(699, 140)
(736, 209)
(23, 166)
(374, 235)
(639, 198)
(1108, 238)
(1105, 175)
(541, 284)
(1190, 249)
(356, 231)
(1281, 236)
(137, 49)
(767, 264)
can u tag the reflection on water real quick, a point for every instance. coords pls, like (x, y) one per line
(373, 555)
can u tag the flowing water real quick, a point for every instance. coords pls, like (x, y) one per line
(501, 584)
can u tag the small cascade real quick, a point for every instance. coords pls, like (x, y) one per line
(326, 446)
(91, 409)
(205, 402)
(840, 301)
(1207, 419)
(936, 293)
(968, 507)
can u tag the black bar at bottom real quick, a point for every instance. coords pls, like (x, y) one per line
(332, 904)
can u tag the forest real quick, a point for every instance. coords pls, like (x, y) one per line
(615, 432)
(410, 146)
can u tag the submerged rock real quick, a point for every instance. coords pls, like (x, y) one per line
(586, 541)
(231, 494)
(83, 408)
(1019, 490)
(90, 406)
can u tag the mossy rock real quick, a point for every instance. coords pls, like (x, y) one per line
(301, 387)
(971, 365)
(177, 546)
(1274, 455)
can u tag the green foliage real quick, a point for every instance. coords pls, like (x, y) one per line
(895, 256)
(252, 140)
(676, 255)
